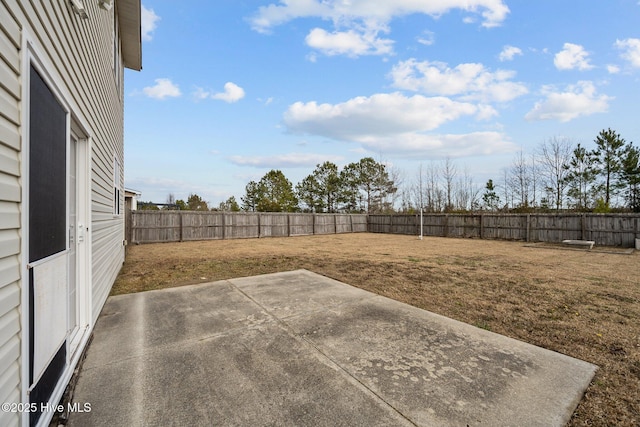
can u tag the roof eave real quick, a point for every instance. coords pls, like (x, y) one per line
(129, 17)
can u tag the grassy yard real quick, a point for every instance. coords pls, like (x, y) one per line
(583, 304)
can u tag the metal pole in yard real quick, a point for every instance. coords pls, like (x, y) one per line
(421, 205)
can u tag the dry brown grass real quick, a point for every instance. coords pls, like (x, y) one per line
(583, 304)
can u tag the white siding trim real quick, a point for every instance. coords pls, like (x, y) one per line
(10, 284)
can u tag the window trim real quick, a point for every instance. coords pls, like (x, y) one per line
(117, 187)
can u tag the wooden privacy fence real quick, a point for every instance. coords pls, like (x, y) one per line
(604, 229)
(178, 226)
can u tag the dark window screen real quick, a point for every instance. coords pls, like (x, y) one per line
(47, 171)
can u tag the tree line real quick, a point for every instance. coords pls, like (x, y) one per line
(560, 175)
(563, 175)
(363, 186)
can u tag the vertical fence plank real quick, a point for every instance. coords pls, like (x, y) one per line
(171, 226)
(605, 230)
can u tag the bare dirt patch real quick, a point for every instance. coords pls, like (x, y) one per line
(585, 304)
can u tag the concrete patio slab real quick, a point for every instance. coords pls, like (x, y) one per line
(297, 348)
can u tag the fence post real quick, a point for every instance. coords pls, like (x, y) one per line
(351, 223)
(224, 225)
(313, 226)
(259, 225)
(288, 224)
(335, 224)
(482, 226)
(180, 225)
(127, 225)
(583, 226)
(445, 229)
(528, 227)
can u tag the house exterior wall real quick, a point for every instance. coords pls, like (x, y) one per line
(10, 196)
(87, 73)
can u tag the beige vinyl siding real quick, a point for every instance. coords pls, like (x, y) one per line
(78, 57)
(81, 52)
(10, 93)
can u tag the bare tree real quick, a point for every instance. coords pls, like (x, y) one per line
(466, 194)
(426, 188)
(390, 199)
(449, 172)
(418, 189)
(435, 192)
(553, 156)
(534, 171)
(506, 189)
(520, 179)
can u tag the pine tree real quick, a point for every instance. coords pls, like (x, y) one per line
(366, 183)
(490, 197)
(610, 149)
(275, 193)
(320, 190)
(580, 177)
(631, 177)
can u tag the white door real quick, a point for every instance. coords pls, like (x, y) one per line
(73, 325)
(78, 279)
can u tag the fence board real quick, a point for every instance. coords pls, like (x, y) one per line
(359, 223)
(604, 229)
(175, 226)
(242, 225)
(301, 225)
(201, 226)
(325, 224)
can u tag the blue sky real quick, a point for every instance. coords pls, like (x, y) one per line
(231, 89)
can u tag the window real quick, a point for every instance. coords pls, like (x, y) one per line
(116, 187)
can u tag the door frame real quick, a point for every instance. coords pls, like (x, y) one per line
(76, 124)
(82, 240)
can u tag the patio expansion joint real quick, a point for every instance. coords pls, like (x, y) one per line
(320, 354)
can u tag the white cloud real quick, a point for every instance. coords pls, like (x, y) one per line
(493, 12)
(613, 69)
(572, 56)
(351, 43)
(164, 88)
(577, 100)
(470, 81)
(358, 23)
(291, 160)
(232, 93)
(201, 94)
(442, 146)
(394, 123)
(631, 51)
(148, 20)
(427, 38)
(509, 52)
(361, 118)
